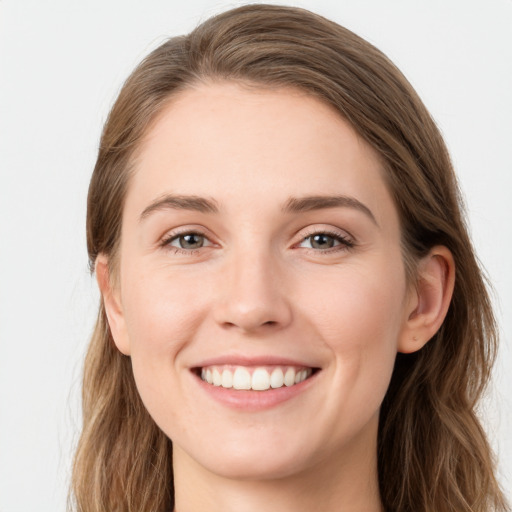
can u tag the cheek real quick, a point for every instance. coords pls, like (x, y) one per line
(162, 315)
(161, 310)
(360, 321)
(357, 307)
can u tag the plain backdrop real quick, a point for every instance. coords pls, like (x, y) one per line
(61, 65)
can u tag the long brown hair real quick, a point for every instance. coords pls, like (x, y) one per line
(432, 452)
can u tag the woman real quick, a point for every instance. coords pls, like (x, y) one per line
(292, 314)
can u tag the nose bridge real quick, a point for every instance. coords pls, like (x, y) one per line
(252, 294)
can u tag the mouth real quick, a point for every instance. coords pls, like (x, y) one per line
(254, 378)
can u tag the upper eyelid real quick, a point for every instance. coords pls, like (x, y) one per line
(328, 230)
(186, 230)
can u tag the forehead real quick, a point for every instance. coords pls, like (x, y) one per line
(245, 146)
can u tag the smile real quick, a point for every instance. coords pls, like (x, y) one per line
(254, 378)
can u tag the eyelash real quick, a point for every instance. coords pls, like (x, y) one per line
(166, 242)
(344, 243)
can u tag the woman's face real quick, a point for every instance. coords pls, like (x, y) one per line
(260, 247)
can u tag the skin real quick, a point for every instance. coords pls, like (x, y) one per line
(259, 287)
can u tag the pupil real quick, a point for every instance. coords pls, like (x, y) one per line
(322, 242)
(191, 241)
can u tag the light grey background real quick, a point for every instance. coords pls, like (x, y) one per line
(61, 65)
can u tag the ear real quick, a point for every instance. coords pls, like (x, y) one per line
(429, 301)
(112, 302)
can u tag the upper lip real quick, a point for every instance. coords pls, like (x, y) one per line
(241, 360)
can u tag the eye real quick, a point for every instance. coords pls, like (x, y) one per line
(187, 241)
(325, 241)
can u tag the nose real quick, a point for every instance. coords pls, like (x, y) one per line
(253, 294)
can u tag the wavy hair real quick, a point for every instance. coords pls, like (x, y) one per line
(432, 452)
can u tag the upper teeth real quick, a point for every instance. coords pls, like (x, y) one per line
(261, 379)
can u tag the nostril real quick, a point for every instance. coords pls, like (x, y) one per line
(252, 313)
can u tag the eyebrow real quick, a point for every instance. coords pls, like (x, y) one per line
(292, 205)
(180, 202)
(310, 203)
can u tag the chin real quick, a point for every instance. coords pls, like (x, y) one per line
(251, 461)
(256, 467)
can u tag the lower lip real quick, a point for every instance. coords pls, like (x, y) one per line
(250, 400)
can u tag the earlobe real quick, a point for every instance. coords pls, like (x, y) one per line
(430, 299)
(112, 304)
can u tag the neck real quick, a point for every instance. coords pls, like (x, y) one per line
(343, 483)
